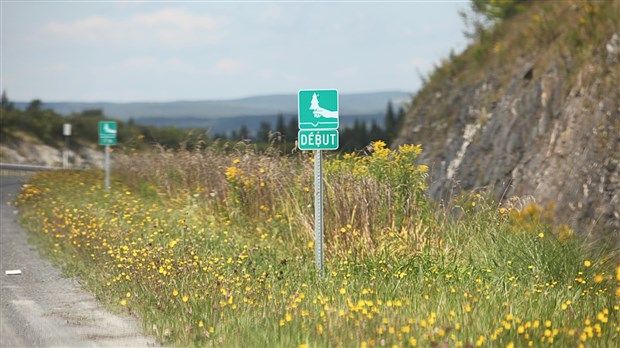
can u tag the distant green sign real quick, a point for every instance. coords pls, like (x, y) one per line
(107, 132)
(318, 109)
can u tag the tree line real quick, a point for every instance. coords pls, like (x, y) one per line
(43, 125)
(39, 124)
(353, 137)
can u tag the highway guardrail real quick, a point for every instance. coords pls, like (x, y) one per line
(25, 167)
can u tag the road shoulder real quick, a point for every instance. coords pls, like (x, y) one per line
(40, 307)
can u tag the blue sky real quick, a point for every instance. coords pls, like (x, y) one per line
(175, 50)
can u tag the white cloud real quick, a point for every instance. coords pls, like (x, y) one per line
(89, 29)
(175, 25)
(170, 26)
(246, 47)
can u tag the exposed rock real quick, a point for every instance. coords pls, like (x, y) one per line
(613, 48)
(550, 130)
(21, 152)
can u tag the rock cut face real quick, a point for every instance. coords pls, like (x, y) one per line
(544, 131)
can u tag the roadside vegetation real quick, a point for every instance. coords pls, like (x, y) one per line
(213, 245)
(39, 125)
(215, 248)
(533, 32)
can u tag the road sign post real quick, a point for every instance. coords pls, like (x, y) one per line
(318, 119)
(318, 211)
(107, 137)
(107, 167)
(66, 131)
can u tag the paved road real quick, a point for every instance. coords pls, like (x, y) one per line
(40, 308)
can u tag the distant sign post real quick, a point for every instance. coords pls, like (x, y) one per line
(66, 131)
(107, 137)
(318, 119)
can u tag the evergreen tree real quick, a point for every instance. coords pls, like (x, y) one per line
(244, 133)
(291, 129)
(262, 136)
(391, 123)
(220, 136)
(400, 121)
(34, 105)
(6, 104)
(376, 133)
(280, 125)
(364, 136)
(346, 141)
(95, 113)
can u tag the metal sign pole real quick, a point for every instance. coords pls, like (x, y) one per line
(318, 211)
(66, 131)
(65, 154)
(107, 167)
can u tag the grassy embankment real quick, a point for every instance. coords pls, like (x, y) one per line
(216, 249)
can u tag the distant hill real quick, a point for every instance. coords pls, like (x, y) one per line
(221, 115)
(224, 125)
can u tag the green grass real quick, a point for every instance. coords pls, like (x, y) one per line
(206, 255)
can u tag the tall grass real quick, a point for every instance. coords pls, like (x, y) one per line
(213, 248)
(367, 195)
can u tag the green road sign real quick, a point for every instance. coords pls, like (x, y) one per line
(318, 109)
(320, 139)
(107, 141)
(318, 121)
(107, 132)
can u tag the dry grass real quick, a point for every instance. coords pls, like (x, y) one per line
(366, 197)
